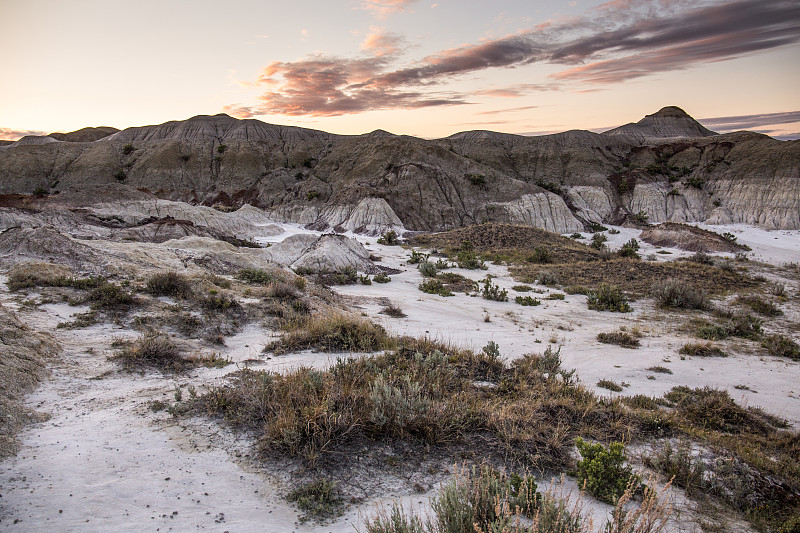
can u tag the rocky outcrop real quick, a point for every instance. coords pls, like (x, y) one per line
(669, 122)
(671, 235)
(85, 135)
(666, 166)
(324, 254)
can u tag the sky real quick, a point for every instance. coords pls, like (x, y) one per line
(415, 67)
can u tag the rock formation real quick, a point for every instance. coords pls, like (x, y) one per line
(666, 167)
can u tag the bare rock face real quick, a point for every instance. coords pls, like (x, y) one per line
(666, 166)
(84, 135)
(323, 254)
(669, 122)
(47, 244)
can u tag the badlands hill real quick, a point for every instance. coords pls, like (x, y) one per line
(666, 167)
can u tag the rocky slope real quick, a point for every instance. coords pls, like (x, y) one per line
(666, 167)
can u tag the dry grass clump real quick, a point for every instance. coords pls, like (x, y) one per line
(702, 350)
(36, 274)
(421, 393)
(781, 346)
(759, 305)
(152, 350)
(392, 310)
(109, 296)
(676, 294)
(621, 338)
(169, 284)
(335, 332)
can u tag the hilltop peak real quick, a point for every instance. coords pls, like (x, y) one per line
(667, 123)
(670, 111)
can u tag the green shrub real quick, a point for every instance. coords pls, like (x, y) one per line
(610, 385)
(389, 238)
(695, 181)
(417, 257)
(711, 332)
(120, 175)
(702, 258)
(434, 286)
(598, 241)
(613, 231)
(364, 280)
(595, 227)
(744, 325)
(527, 301)
(476, 179)
(608, 298)
(319, 499)
(602, 470)
(759, 305)
(169, 284)
(221, 148)
(629, 249)
(678, 294)
(522, 288)
(540, 255)
(128, 149)
(427, 269)
(556, 296)
(109, 295)
(310, 195)
(215, 302)
(491, 291)
(547, 278)
(781, 346)
(381, 277)
(467, 258)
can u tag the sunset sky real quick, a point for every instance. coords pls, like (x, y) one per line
(424, 68)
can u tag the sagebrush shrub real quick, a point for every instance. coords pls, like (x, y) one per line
(677, 294)
(602, 470)
(608, 298)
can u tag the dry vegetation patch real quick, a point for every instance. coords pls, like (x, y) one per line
(638, 277)
(333, 332)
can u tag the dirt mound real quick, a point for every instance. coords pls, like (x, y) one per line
(22, 366)
(499, 238)
(323, 254)
(689, 238)
(49, 245)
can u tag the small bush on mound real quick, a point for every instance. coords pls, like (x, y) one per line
(417, 257)
(547, 278)
(608, 298)
(255, 276)
(522, 288)
(215, 301)
(335, 332)
(556, 296)
(434, 286)
(169, 284)
(598, 241)
(629, 249)
(676, 294)
(759, 305)
(319, 499)
(389, 238)
(153, 350)
(540, 255)
(576, 289)
(714, 409)
(781, 346)
(702, 350)
(393, 311)
(427, 269)
(660, 370)
(702, 258)
(467, 258)
(109, 295)
(602, 470)
(381, 277)
(711, 332)
(743, 325)
(527, 301)
(491, 291)
(619, 338)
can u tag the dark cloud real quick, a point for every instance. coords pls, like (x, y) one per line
(750, 122)
(618, 41)
(10, 134)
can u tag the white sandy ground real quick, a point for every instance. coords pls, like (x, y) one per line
(105, 462)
